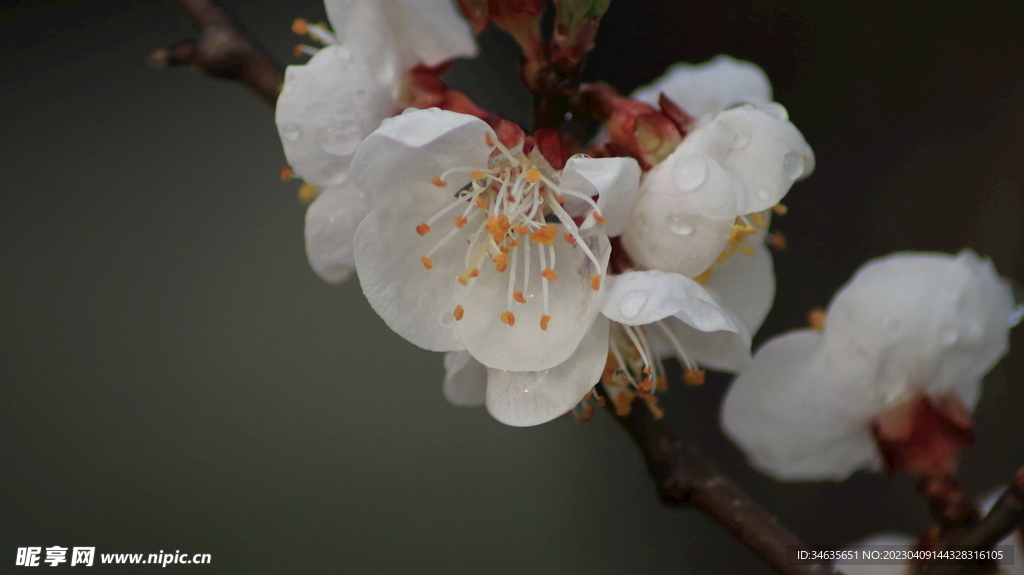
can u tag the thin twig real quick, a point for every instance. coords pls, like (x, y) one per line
(685, 476)
(224, 50)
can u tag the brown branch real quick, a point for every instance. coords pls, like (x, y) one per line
(224, 50)
(1006, 515)
(685, 476)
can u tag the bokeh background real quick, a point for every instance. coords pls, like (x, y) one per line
(174, 377)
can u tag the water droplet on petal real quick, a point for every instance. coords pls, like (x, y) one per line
(290, 131)
(740, 141)
(763, 194)
(342, 137)
(793, 165)
(776, 110)
(446, 318)
(690, 171)
(633, 303)
(679, 225)
(949, 336)
(1017, 313)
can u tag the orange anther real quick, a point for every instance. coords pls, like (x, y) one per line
(439, 182)
(758, 219)
(460, 222)
(776, 240)
(647, 369)
(462, 280)
(544, 319)
(693, 377)
(522, 230)
(422, 229)
(560, 199)
(549, 274)
(498, 227)
(545, 235)
(298, 50)
(780, 209)
(501, 262)
(458, 313)
(601, 401)
(427, 262)
(518, 296)
(656, 412)
(588, 395)
(661, 384)
(623, 403)
(480, 203)
(478, 175)
(584, 417)
(595, 282)
(600, 219)
(512, 243)
(287, 173)
(474, 273)
(308, 193)
(300, 26)
(489, 140)
(569, 238)
(508, 319)
(816, 319)
(532, 175)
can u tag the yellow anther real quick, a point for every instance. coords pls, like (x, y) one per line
(439, 182)
(758, 219)
(776, 240)
(693, 377)
(545, 235)
(478, 175)
(705, 276)
(423, 229)
(458, 313)
(569, 238)
(549, 274)
(595, 282)
(508, 318)
(780, 209)
(532, 175)
(300, 26)
(308, 193)
(518, 296)
(816, 319)
(474, 273)
(460, 222)
(544, 319)
(747, 250)
(427, 262)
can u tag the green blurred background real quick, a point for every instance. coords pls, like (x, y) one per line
(174, 377)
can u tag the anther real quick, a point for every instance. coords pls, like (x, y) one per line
(513, 243)
(518, 296)
(458, 313)
(647, 369)
(600, 219)
(427, 262)
(584, 417)
(656, 412)
(439, 182)
(287, 173)
(508, 318)
(776, 240)
(478, 175)
(300, 26)
(747, 250)
(780, 209)
(705, 276)
(693, 377)
(522, 230)
(816, 319)
(474, 273)
(623, 403)
(549, 274)
(661, 384)
(601, 401)
(308, 193)
(488, 140)
(532, 175)
(545, 235)
(462, 280)
(422, 229)
(588, 395)
(500, 262)
(569, 238)
(758, 219)
(560, 199)
(595, 282)
(544, 319)
(460, 222)
(480, 203)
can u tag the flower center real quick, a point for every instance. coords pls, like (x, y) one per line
(512, 208)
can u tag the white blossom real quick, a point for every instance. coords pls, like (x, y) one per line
(906, 324)
(710, 87)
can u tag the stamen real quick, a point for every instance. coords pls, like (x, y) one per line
(501, 262)
(747, 250)
(599, 218)
(481, 203)
(458, 313)
(300, 49)
(427, 262)
(693, 377)
(780, 209)
(522, 230)
(478, 175)
(624, 403)
(518, 296)
(545, 235)
(684, 357)
(461, 221)
(569, 239)
(595, 282)
(287, 173)
(508, 318)
(423, 229)
(488, 140)
(532, 175)
(776, 240)
(758, 219)
(300, 26)
(816, 319)
(704, 276)
(544, 319)
(439, 182)
(308, 193)
(549, 274)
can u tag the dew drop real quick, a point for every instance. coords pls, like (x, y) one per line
(690, 171)
(949, 336)
(793, 164)
(446, 318)
(776, 110)
(290, 131)
(740, 141)
(342, 137)
(763, 194)
(633, 303)
(1017, 313)
(679, 225)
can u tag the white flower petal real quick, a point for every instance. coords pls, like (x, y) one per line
(614, 180)
(534, 397)
(762, 155)
(465, 379)
(415, 302)
(793, 418)
(640, 298)
(331, 222)
(398, 162)
(931, 320)
(727, 351)
(668, 229)
(710, 87)
(745, 284)
(325, 109)
(572, 305)
(402, 33)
